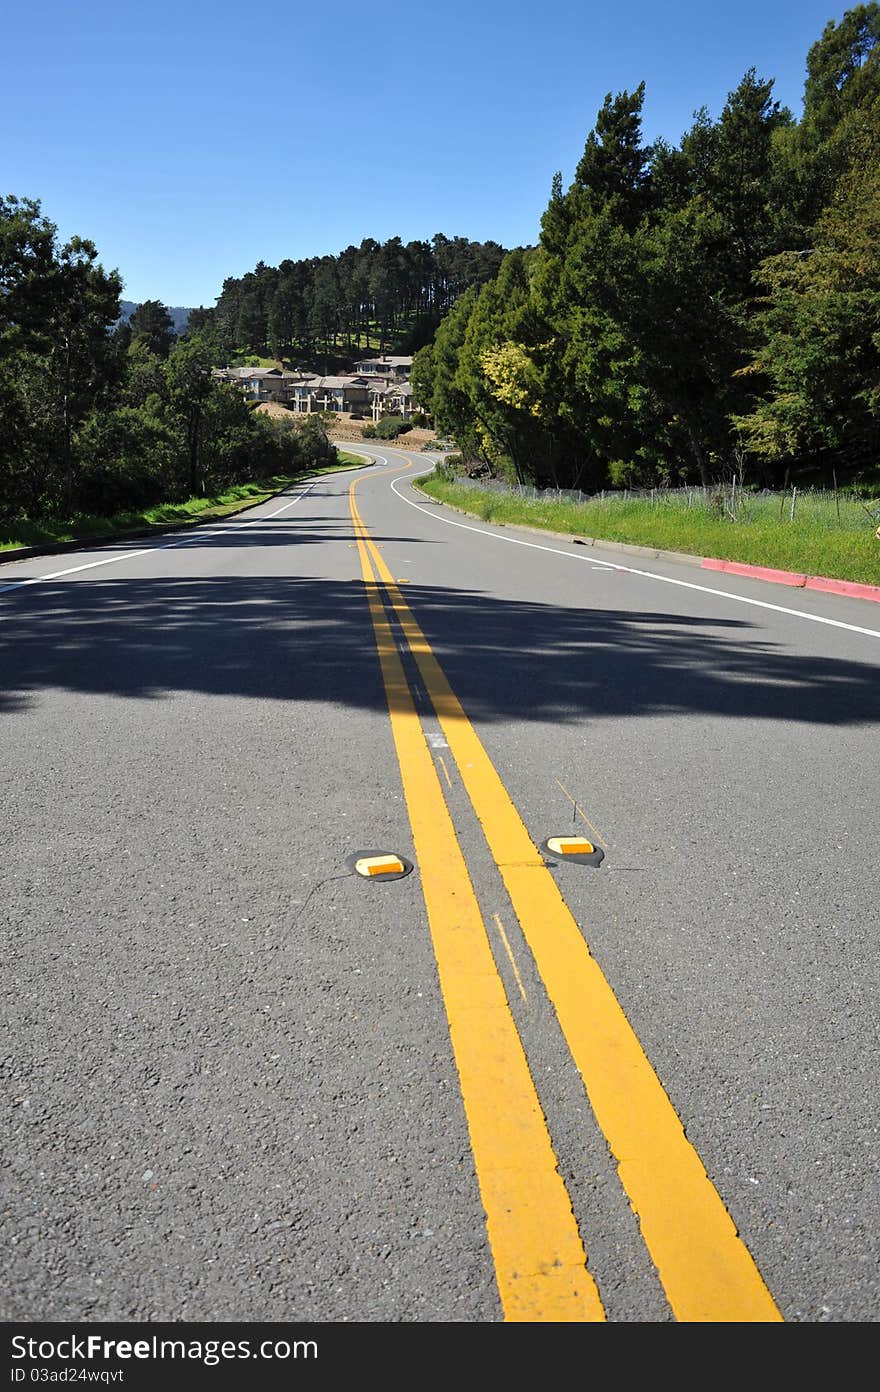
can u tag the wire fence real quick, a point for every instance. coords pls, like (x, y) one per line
(826, 507)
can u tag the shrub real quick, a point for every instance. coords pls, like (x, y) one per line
(127, 459)
(390, 427)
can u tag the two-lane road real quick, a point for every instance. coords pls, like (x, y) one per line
(246, 1083)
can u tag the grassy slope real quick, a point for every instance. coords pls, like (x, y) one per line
(808, 546)
(162, 518)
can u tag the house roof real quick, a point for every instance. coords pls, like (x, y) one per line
(385, 362)
(339, 382)
(385, 386)
(248, 374)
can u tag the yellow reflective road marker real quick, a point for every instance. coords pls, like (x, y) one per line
(705, 1268)
(540, 1263)
(577, 850)
(570, 845)
(378, 865)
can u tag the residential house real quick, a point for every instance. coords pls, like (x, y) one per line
(361, 393)
(395, 368)
(392, 398)
(260, 383)
(341, 394)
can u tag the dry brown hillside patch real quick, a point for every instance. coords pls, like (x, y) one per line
(345, 428)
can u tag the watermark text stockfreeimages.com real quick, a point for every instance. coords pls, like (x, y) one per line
(75, 1348)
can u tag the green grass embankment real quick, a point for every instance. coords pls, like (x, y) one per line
(816, 542)
(161, 518)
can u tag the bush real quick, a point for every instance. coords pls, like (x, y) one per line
(390, 427)
(127, 459)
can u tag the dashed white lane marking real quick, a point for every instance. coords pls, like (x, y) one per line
(165, 546)
(631, 570)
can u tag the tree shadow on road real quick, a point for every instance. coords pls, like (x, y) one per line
(311, 640)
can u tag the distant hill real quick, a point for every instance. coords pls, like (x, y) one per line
(179, 316)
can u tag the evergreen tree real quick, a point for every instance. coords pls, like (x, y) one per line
(152, 325)
(27, 260)
(819, 335)
(613, 170)
(501, 372)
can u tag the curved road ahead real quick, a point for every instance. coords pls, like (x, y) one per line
(246, 1082)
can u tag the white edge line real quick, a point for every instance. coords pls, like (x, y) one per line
(630, 570)
(214, 530)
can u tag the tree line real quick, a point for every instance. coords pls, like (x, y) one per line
(376, 295)
(98, 415)
(690, 310)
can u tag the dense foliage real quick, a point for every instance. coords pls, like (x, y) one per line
(377, 295)
(103, 412)
(689, 311)
(98, 416)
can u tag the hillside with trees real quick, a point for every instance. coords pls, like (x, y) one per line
(390, 296)
(99, 415)
(104, 405)
(689, 311)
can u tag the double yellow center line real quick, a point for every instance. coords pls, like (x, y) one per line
(540, 1262)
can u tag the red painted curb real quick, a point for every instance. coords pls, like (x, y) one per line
(844, 587)
(852, 588)
(776, 577)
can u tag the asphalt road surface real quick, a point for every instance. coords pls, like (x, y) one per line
(245, 1081)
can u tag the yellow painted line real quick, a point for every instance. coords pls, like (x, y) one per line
(706, 1270)
(583, 814)
(540, 1263)
(442, 763)
(500, 926)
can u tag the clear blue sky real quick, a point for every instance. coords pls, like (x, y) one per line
(190, 139)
